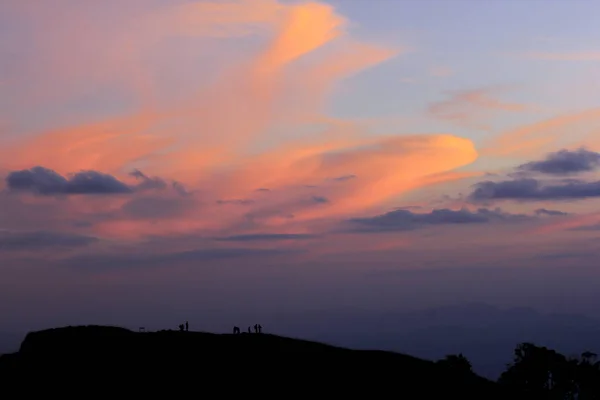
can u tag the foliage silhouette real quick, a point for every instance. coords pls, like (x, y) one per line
(457, 363)
(542, 373)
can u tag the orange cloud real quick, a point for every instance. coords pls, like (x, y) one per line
(304, 28)
(381, 169)
(235, 108)
(350, 177)
(213, 138)
(215, 19)
(532, 140)
(236, 111)
(105, 146)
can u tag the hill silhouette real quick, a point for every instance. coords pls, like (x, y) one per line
(112, 359)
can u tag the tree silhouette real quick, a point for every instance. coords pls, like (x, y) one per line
(457, 363)
(543, 373)
(588, 377)
(588, 356)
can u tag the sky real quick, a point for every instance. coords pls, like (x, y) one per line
(221, 161)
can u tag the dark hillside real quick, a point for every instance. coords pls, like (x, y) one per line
(108, 358)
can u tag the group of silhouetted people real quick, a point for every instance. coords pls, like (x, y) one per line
(257, 329)
(184, 327)
(236, 330)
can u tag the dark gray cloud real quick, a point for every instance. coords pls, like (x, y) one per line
(344, 178)
(45, 181)
(409, 208)
(180, 189)
(565, 162)
(267, 237)
(403, 220)
(239, 202)
(157, 183)
(523, 187)
(528, 189)
(14, 240)
(320, 199)
(263, 190)
(148, 183)
(551, 213)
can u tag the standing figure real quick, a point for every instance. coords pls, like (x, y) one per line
(255, 328)
(187, 326)
(259, 328)
(236, 330)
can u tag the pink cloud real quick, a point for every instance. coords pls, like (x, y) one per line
(547, 135)
(232, 134)
(441, 71)
(473, 108)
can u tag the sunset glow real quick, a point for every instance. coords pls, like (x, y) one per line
(223, 150)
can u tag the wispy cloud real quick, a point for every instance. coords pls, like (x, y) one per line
(441, 71)
(593, 227)
(552, 213)
(269, 237)
(240, 202)
(102, 262)
(35, 240)
(574, 56)
(544, 136)
(472, 108)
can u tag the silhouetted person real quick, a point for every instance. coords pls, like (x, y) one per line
(259, 328)
(187, 326)
(255, 328)
(236, 330)
(181, 327)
